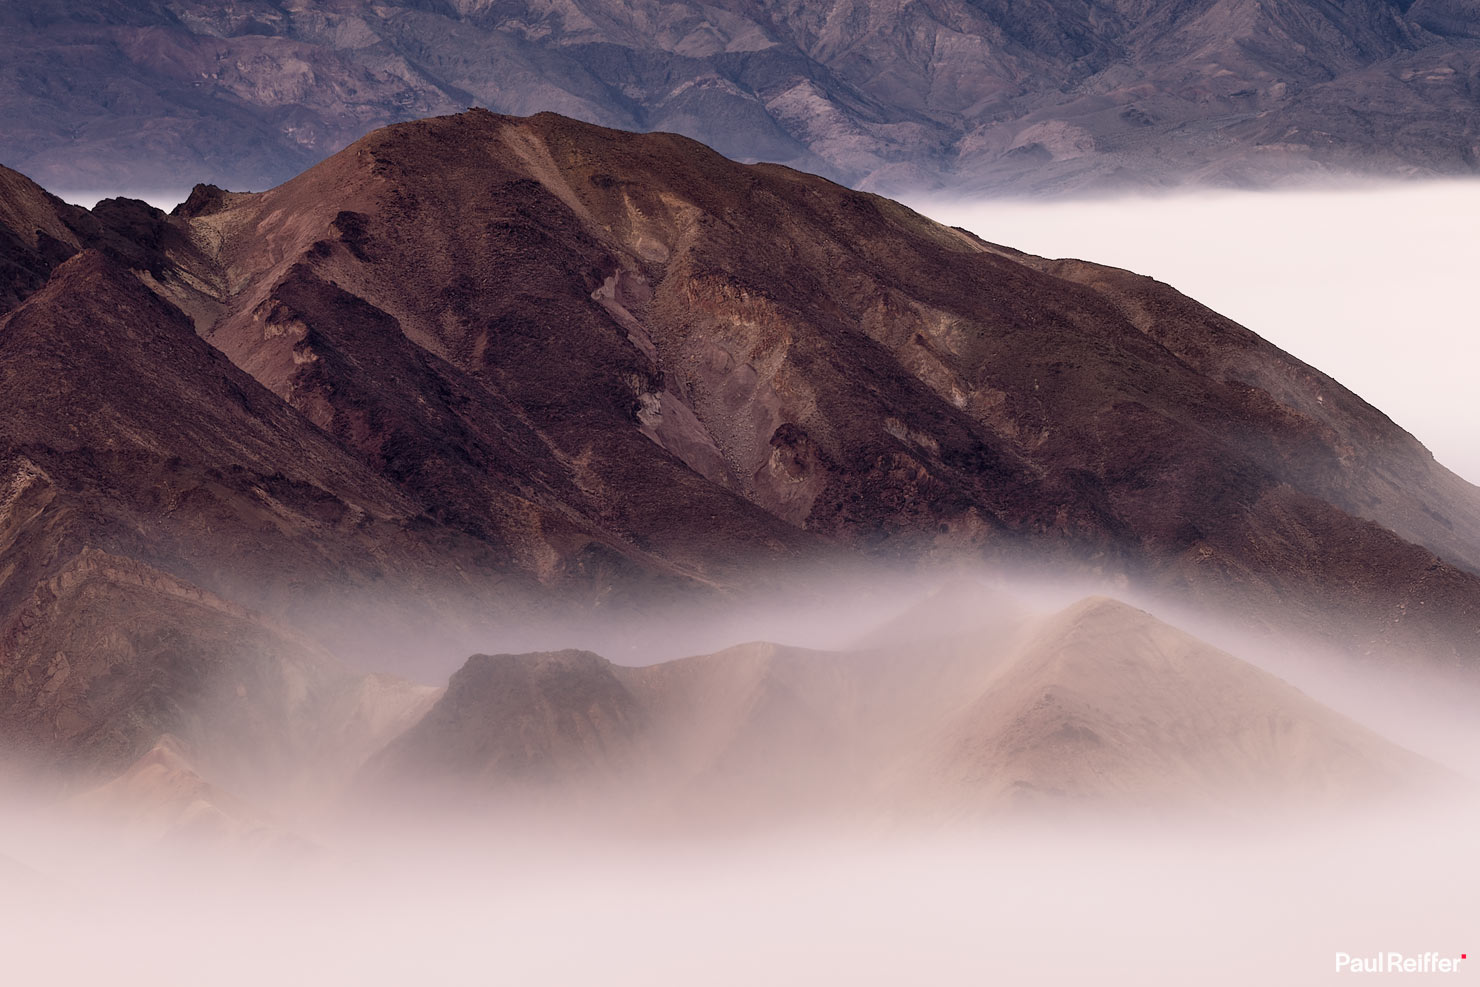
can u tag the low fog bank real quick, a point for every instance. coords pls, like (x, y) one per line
(1147, 905)
(888, 698)
(824, 605)
(1369, 283)
(169, 879)
(862, 675)
(1409, 699)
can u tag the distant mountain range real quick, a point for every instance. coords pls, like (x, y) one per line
(1045, 96)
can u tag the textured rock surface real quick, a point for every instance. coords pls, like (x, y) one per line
(632, 343)
(478, 370)
(1045, 96)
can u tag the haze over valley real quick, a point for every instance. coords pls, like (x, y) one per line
(510, 549)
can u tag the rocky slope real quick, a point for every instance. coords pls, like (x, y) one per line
(477, 371)
(1047, 96)
(593, 325)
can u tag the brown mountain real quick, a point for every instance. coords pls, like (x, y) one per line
(1097, 704)
(478, 370)
(38, 231)
(699, 363)
(154, 498)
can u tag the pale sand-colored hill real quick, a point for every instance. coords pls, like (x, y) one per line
(1104, 702)
(163, 798)
(1098, 704)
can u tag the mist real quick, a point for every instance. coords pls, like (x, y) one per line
(840, 834)
(1043, 904)
(1371, 284)
(169, 880)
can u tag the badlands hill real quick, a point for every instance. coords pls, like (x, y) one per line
(1040, 96)
(1099, 704)
(478, 371)
(1104, 702)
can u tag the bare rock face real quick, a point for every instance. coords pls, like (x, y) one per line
(1046, 96)
(479, 370)
(127, 433)
(586, 346)
(38, 232)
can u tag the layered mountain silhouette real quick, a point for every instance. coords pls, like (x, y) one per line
(476, 371)
(1044, 96)
(1099, 704)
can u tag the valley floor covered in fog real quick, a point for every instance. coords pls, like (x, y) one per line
(1097, 879)
(1157, 903)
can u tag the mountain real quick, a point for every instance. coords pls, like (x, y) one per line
(1098, 704)
(1104, 702)
(38, 231)
(631, 343)
(747, 731)
(480, 374)
(150, 490)
(1047, 96)
(161, 798)
(518, 723)
(127, 433)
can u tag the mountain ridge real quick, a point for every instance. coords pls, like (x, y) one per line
(1049, 97)
(477, 373)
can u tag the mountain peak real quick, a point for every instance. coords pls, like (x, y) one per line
(518, 721)
(203, 200)
(1109, 702)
